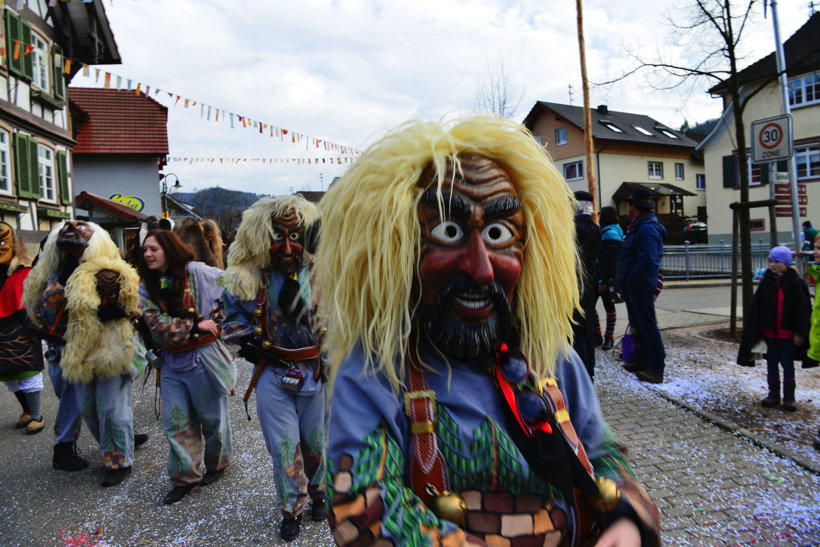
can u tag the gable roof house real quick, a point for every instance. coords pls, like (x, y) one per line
(802, 60)
(630, 151)
(35, 141)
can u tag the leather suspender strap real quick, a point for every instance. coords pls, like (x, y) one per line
(58, 316)
(425, 462)
(561, 414)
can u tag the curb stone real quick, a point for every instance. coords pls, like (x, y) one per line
(737, 430)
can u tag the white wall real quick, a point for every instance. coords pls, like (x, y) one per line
(108, 175)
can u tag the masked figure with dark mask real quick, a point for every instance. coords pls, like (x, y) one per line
(81, 296)
(268, 312)
(460, 415)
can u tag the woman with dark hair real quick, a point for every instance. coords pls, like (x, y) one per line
(182, 303)
(612, 241)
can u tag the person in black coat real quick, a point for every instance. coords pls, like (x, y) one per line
(588, 240)
(612, 241)
(780, 313)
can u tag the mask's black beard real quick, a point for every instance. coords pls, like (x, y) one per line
(461, 340)
(70, 244)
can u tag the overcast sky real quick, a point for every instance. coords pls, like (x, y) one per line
(348, 70)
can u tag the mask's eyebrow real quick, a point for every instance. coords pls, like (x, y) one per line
(503, 206)
(452, 202)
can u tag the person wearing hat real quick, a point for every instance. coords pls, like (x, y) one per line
(780, 314)
(588, 241)
(637, 280)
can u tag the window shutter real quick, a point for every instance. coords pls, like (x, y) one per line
(28, 62)
(34, 169)
(59, 78)
(729, 172)
(22, 166)
(764, 173)
(12, 36)
(62, 173)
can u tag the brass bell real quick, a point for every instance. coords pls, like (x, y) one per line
(609, 495)
(191, 311)
(448, 506)
(257, 312)
(199, 317)
(195, 336)
(257, 330)
(266, 344)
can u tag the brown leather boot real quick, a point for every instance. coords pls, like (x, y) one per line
(773, 398)
(788, 395)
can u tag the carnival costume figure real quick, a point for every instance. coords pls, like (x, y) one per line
(82, 295)
(182, 307)
(267, 301)
(21, 354)
(459, 413)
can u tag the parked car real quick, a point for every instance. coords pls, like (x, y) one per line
(695, 232)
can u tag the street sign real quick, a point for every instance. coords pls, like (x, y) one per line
(785, 199)
(787, 211)
(784, 189)
(772, 139)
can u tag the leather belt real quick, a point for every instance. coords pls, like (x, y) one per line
(203, 341)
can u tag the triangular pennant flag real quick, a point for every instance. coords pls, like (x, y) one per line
(67, 66)
(16, 54)
(86, 70)
(29, 49)
(107, 84)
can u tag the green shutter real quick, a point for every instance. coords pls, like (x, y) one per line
(13, 34)
(28, 61)
(729, 172)
(764, 173)
(34, 169)
(59, 78)
(62, 174)
(23, 167)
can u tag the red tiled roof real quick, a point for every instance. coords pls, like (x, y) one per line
(112, 121)
(87, 200)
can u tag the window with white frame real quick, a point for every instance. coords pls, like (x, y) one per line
(700, 182)
(678, 171)
(45, 165)
(612, 127)
(644, 131)
(5, 165)
(804, 90)
(807, 158)
(537, 137)
(560, 136)
(39, 59)
(655, 169)
(574, 170)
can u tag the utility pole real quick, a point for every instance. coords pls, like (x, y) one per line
(784, 97)
(588, 143)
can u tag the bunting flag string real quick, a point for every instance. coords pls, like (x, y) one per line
(215, 114)
(338, 160)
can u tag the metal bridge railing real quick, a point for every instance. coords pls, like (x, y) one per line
(706, 261)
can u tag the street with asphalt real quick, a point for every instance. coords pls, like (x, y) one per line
(715, 481)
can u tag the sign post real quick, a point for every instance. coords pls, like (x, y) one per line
(772, 141)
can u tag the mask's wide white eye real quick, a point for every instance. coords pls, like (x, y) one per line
(496, 234)
(294, 236)
(278, 236)
(447, 232)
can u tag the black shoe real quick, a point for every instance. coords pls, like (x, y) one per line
(770, 401)
(608, 343)
(290, 527)
(67, 458)
(140, 439)
(318, 510)
(789, 405)
(115, 476)
(598, 339)
(634, 366)
(211, 477)
(649, 376)
(177, 493)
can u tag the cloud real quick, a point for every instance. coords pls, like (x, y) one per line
(346, 71)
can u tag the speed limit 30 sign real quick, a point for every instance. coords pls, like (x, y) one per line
(772, 139)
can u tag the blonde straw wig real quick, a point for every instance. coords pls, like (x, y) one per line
(366, 263)
(249, 254)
